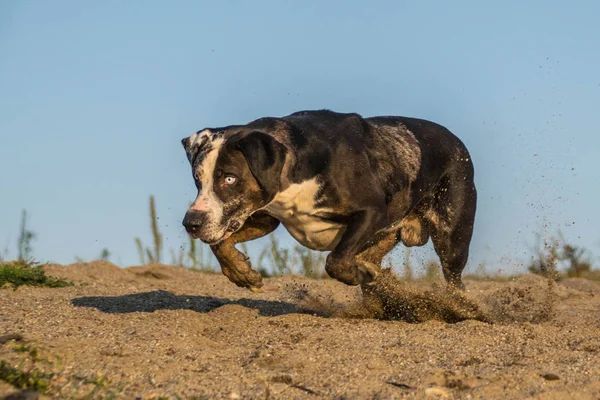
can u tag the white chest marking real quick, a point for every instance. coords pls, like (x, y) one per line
(295, 208)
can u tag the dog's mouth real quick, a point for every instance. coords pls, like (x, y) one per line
(212, 242)
(197, 235)
(233, 227)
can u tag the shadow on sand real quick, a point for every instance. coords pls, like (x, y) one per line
(163, 300)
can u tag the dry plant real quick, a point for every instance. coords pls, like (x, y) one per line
(151, 255)
(25, 238)
(554, 252)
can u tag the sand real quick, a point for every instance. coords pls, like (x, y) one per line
(160, 331)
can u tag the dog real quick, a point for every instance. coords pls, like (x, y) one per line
(337, 182)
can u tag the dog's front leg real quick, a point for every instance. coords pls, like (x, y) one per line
(235, 265)
(343, 263)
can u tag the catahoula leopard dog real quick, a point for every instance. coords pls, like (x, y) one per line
(337, 182)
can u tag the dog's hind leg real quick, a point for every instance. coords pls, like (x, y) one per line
(235, 265)
(451, 218)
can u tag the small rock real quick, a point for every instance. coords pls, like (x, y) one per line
(436, 392)
(399, 385)
(550, 377)
(283, 378)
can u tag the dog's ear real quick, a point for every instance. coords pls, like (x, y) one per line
(187, 143)
(265, 157)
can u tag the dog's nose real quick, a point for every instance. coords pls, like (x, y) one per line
(193, 220)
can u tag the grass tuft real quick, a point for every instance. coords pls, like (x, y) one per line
(23, 379)
(29, 349)
(20, 273)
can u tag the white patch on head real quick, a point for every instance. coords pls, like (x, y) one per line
(295, 207)
(192, 139)
(207, 200)
(196, 139)
(205, 132)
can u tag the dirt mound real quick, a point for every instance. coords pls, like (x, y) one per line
(529, 298)
(391, 298)
(581, 285)
(87, 272)
(104, 271)
(159, 271)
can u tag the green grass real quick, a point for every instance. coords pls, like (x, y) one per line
(29, 349)
(23, 379)
(20, 273)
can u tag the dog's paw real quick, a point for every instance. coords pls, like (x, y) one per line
(367, 272)
(244, 277)
(353, 272)
(370, 272)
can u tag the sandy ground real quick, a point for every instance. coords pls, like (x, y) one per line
(158, 331)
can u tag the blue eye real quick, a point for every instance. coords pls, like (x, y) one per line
(230, 180)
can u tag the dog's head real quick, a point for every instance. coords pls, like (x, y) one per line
(237, 171)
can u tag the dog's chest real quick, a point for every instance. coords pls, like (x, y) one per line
(295, 208)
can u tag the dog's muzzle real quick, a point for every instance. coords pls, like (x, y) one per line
(193, 222)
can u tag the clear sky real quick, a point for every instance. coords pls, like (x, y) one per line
(95, 97)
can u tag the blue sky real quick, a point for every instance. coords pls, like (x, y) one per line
(95, 97)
